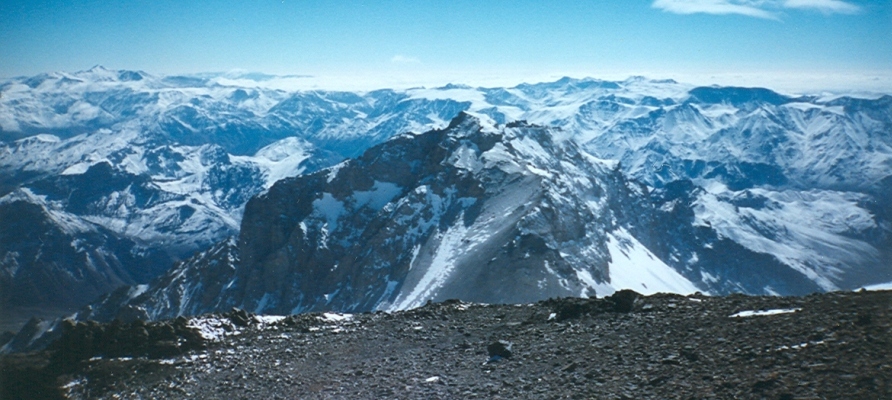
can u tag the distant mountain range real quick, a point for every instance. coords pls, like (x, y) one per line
(574, 187)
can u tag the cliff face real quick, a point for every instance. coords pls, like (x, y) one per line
(464, 212)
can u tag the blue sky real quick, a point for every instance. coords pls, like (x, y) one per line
(793, 42)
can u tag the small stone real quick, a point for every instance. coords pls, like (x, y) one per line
(500, 349)
(570, 368)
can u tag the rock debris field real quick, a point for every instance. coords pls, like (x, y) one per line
(627, 346)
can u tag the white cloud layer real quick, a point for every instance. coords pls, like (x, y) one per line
(768, 9)
(825, 6)
(748, 8)
(862, 83)
(401, 59)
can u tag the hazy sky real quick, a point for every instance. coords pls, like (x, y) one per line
(831, 42)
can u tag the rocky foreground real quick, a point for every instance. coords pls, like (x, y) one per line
(627, 346)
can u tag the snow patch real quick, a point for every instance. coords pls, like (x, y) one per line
(810, 231)
(77, 169)
(137, 290)
(212, 328)
(269, 319)
(282, 159)
(329, 209)
(333, 171)
(335, 317)
(438, 271)
(760, 313)
(381, 194)
(879, 286)
(634, 267)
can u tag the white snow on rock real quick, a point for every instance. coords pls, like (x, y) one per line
(337, 323)
(212, 328)
(761, 313)
(77, 169)
(801, 346)
(438, 271)
(137, 290)
(813, 228)
(634, 267)
(335, 317)
(880, 286)
(281, 159)
(381, 194)
(264, 320)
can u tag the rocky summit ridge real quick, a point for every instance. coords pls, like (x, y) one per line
(625, 346)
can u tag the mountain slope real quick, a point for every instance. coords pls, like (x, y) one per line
(55, 261)
(475, 212)
(167, 163)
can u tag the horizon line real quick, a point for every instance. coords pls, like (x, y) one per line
(873, 82)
